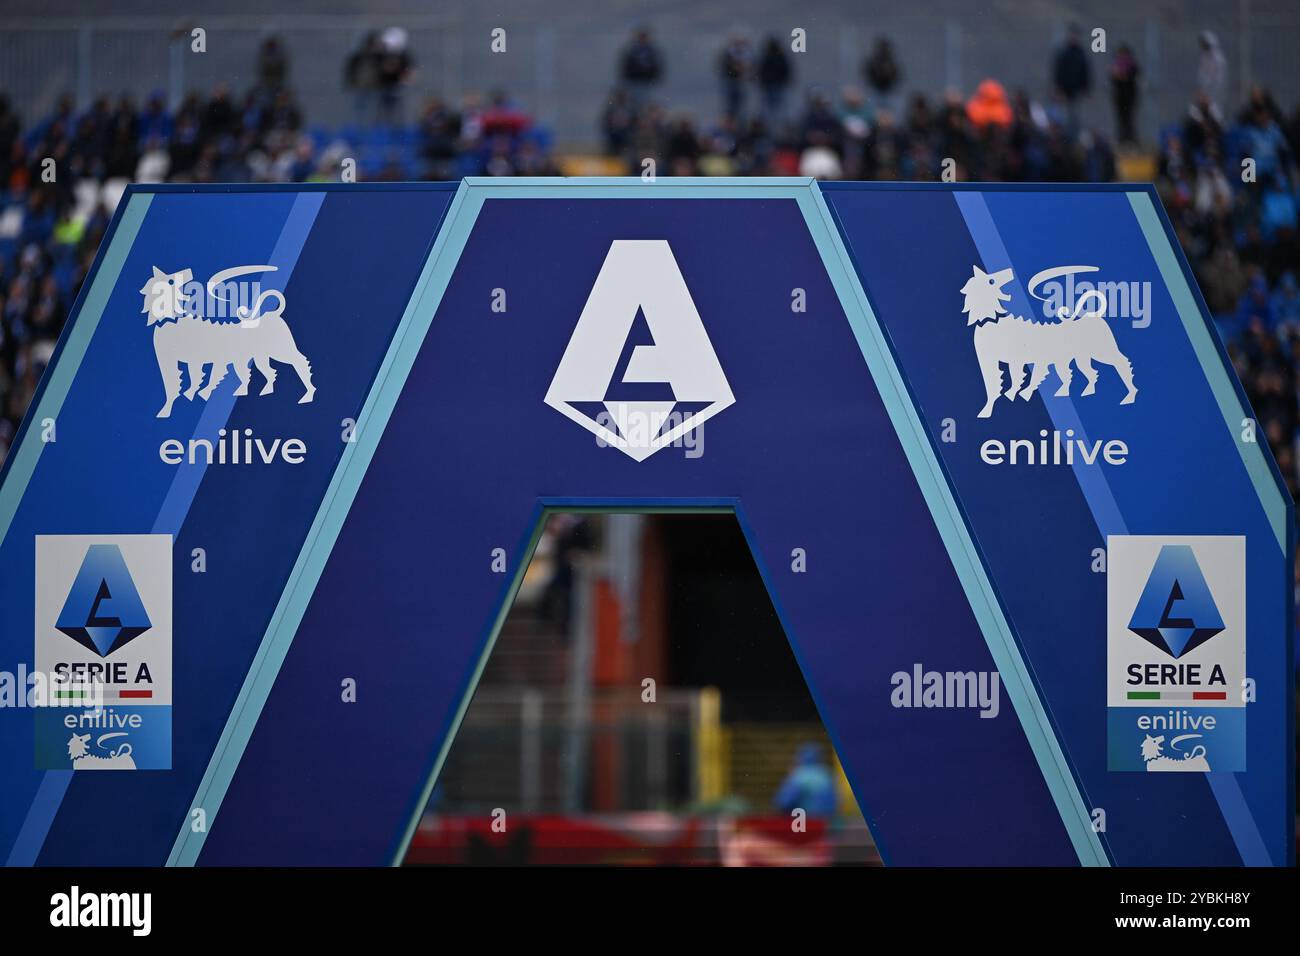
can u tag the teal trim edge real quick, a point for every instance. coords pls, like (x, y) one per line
(444, 746)
(64, 371)
(1198, 333)
(956, 537)
(322, 535)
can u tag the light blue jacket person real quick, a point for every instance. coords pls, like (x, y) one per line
(809, 785)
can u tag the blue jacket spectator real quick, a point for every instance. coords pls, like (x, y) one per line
(809, 786)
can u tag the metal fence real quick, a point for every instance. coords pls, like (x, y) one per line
(560, 59)
(524, 748)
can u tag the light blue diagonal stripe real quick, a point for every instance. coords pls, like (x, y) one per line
(74, 350)
(1241, 822)
(970, 569)
(45, 804)
(320, 539)
(1207, 353)
(54, 783)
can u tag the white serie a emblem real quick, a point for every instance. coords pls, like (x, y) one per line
(1025, 346)
(187, 333)
(639, 371)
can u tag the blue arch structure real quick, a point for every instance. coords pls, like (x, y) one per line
(435, 318)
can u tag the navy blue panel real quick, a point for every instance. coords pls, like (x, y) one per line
(407, 599)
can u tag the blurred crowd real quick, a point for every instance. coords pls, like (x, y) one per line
(1229, 183)
(870, 130)
(1228, 177)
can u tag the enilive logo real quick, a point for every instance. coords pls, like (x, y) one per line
(196, 337)
(639, 371)
(1024, 346)
(201, 332)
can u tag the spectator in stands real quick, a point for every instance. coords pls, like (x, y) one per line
(1256, 306)
(989, 106)
(90, 139)
(820, 121)
(683, 148)
(186, 147)
(1071, 73)
(1124, 73)
(440, 133)
(59, 123)
(809, 786)
(822, 137)
(122, 153)
(282, 115)
(502, 117)
(272, 66)
(733, 71)
(1263, 140)
(9, 130)
(219, 115)
(856, 118)
(1277, 211)
(617, 122)
(641, 67)
(155, 121)
(568, 538)
(1211, 71)
(882, 71)
(361, 79)
(649, 135)
(1212, 196)
(1222, 279)
(953, 134)
(395, 69)
(1203, 125)
(1286, 306)
(774, 76)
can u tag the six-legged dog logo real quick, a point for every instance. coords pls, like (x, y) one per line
(1028, 347)
(197, 338)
